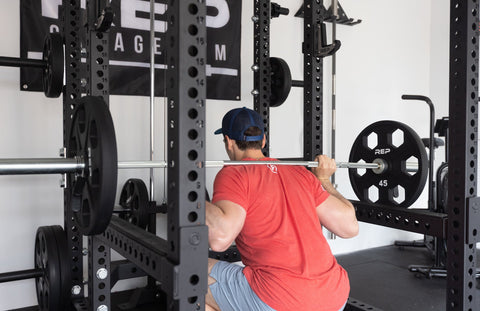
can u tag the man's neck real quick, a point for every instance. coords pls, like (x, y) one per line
(251, 154)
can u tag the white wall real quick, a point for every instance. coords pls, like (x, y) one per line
(394, 51)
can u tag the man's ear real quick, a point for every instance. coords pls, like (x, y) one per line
(264, 141)
(229, 143)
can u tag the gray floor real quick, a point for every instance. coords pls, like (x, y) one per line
(380, 278)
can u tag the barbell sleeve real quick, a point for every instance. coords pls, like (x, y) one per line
(22, 62)
(25, 166)
(40, 166)
(20, 275)
(298, 83)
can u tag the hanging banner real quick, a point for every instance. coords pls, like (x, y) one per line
(130, 45)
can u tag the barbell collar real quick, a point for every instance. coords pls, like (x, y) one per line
(22, 62)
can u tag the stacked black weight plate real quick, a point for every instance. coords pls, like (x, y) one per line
(51, 256)
(52, 78)
(134, 200)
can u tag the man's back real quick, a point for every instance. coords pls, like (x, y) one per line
(288, 262)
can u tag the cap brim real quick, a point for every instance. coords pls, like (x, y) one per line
(219, 131)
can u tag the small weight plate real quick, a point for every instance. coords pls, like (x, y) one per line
(51, 257)
(281, 81)
(53, 55)
(65, 270)
(92, 138)
(134, 199)
(394, 144)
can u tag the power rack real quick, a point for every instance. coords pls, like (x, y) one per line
(179, 263)
(463, 220)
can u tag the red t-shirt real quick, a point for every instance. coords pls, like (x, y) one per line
(288, 262)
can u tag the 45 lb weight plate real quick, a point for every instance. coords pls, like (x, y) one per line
(393, 145)
(92, 191)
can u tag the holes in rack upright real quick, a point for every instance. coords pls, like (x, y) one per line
(193, 30)
(192, 92)
(192, 155)
(192, 217)
(192, 72)
(192, 175)
(192, 134)
(192, 196)
(192, 51)
(194, 279)
(193, 9)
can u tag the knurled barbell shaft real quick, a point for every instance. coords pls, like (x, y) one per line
(22, 62)
(25, 166)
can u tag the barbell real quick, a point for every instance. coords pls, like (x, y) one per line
(27, 166)
(384, 172)
(52, 64)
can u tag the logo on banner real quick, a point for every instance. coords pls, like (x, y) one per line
(130, 41)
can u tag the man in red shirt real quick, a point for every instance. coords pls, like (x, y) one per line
(275, 214)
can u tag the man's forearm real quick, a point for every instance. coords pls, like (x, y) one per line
(327, 184)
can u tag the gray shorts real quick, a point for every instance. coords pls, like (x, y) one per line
(232, 291)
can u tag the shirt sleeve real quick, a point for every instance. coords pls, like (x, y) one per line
(320, 193)
(231, 185)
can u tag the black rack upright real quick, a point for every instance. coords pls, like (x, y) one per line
(179, 263)
(463, 204)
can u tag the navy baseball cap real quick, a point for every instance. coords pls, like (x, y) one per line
(237, 121)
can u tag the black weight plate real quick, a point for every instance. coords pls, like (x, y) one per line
(395, 152)
(48, 257)
(92, 137)
(52, 77)
(281, 81)
(65, 270)
(134, 198)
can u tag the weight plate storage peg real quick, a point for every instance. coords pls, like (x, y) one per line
(281, 81)
(134, 200)
(52, 78)
(51, 256)
(92, 190)
(391, 144)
